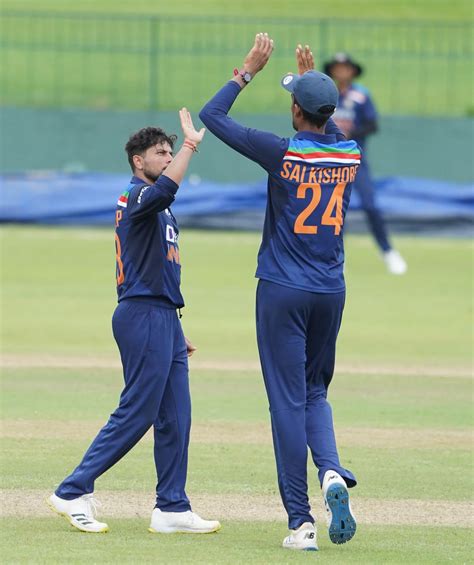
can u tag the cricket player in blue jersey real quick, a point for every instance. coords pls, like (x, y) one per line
(301, 290)
(357, 117)
(149, 336)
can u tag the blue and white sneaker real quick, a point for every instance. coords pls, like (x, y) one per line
(341, 522)
(303, 538)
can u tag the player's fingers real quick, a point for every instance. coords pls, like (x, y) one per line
(268, 45)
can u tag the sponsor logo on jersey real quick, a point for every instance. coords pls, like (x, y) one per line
(142, 191)
(171, 235)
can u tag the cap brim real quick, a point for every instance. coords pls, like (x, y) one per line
(289, 82)
(327, 69)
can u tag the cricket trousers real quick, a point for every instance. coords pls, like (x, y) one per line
(296, 334)
(365, 188)
(155, 367)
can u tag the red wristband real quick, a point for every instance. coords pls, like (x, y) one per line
(190, 145)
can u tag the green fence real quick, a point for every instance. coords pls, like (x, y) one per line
(160, 63)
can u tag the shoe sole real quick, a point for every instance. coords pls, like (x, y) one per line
(301, 548)
(343, 525)
(68, 519)
(176, 531)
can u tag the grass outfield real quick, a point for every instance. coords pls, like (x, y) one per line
(388, 10)
(401, 400)
(116, 57)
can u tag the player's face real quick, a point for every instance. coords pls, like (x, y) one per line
(155, 160)
(342, 73)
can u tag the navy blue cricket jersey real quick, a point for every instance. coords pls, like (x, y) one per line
(356, 107)
(146, 241)
(310, 178)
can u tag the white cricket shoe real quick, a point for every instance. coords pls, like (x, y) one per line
(341, 522)
(394, 262)
(181, 522)
(304, 538)
(79, 512)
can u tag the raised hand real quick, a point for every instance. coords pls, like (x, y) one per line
(188, 128)
(259, 55)
(304, 59)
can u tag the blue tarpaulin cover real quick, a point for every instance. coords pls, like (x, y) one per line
(90, 199)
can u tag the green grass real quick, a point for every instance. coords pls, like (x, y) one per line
(55, 275)
(236, 543)
(120, 58)
(244, 469)
(388, 10)
(394, 401)
(57, 299)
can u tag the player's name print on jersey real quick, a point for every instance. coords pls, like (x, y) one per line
(345, 152)
(301, 173)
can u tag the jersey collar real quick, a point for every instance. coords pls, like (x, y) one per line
(321, 137)
(136, 180)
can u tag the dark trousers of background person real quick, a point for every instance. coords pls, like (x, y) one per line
(296, 334)
(155, 365)
(365, 188)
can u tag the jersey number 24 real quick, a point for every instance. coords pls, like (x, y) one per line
(329, 218)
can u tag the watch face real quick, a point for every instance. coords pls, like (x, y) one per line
(247, 77)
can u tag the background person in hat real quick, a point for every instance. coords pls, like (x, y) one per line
(301, 290)
(357, 118)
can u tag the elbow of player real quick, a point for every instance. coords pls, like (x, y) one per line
(210, 118)
(204, 115)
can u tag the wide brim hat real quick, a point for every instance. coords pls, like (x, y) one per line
(344, 59)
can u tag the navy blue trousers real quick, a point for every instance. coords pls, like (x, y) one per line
(365, 188)
(296, 334)
(155, 366)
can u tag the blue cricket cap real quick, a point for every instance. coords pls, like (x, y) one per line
(315, 92)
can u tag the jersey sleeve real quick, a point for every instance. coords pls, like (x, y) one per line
(266, 149)
(147, 199)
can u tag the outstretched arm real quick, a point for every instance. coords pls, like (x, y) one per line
(154, 198)
(265, 148)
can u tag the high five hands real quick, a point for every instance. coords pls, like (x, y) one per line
(259, 55)
(189, 131)
(304, 59)
(261, 51)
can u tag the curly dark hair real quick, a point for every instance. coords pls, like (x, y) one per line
(144, 138)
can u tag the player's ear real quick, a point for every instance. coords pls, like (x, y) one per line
(296, 109)
(138, 162)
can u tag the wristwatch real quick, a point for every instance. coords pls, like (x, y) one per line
(244, 75)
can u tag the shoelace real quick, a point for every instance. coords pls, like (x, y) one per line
(92, 505)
